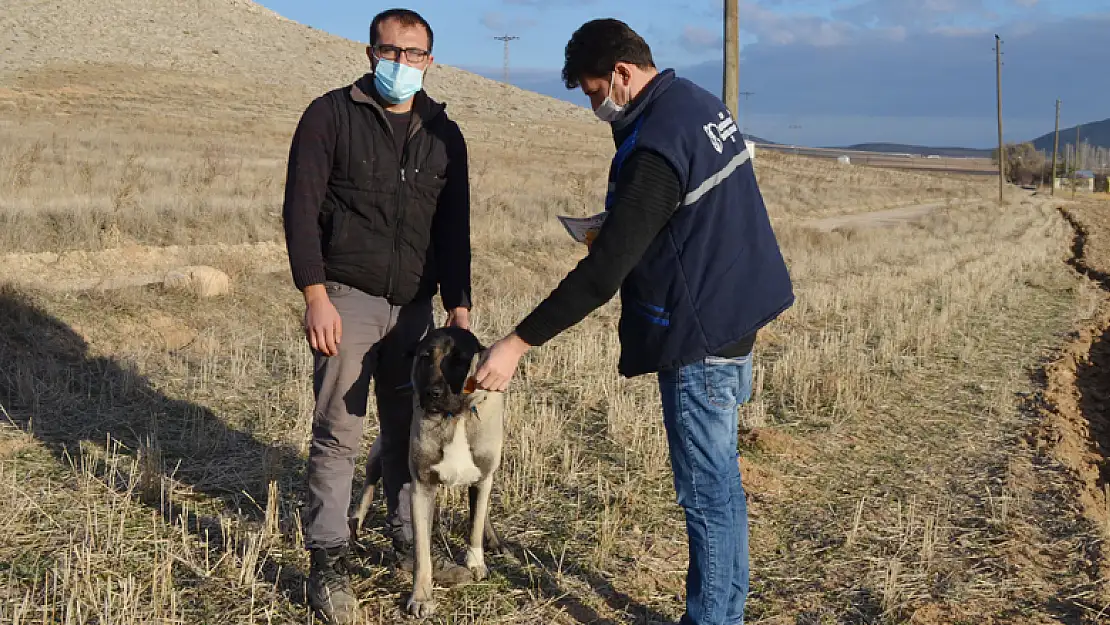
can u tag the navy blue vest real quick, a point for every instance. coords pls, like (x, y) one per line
(714, 274)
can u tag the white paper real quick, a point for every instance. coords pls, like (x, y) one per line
(583, 229)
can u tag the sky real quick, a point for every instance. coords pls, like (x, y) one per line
(820, 72)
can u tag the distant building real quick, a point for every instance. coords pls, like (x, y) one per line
(1083, 180)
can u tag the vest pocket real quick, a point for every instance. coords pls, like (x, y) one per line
(430, 179)
(656, 315)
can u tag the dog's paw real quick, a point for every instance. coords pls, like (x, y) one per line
(477, 564)
(421, 608)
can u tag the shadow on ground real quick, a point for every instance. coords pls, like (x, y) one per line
(65, 396)
(54, 389)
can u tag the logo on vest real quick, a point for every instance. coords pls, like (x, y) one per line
(719, 132)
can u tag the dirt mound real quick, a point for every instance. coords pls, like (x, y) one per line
(235, 38)
(1075, 427)
(201, 280)
(139, 265)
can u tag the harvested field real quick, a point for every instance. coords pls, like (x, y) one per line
(927, 441)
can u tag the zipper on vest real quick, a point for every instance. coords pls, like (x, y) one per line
(398, 214)
(393, 260)
(414, 126)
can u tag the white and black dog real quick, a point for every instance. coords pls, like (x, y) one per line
(455, 440)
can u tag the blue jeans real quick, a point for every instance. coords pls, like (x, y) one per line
(700, 403)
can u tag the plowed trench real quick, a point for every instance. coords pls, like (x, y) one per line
(1078, 384)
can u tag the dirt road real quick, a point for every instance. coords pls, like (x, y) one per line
(876, 219)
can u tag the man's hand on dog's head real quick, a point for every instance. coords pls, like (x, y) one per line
(498, 364)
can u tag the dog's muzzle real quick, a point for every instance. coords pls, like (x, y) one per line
(440, 399)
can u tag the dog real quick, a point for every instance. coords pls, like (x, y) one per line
(455, 439)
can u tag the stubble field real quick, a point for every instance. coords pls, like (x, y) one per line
(910, 454)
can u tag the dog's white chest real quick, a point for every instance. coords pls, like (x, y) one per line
(457, 467)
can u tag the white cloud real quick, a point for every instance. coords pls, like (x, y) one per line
(785, 29)
(548, 3)
(493, 20)
(698, 39)
(912, 13)
(498, 22)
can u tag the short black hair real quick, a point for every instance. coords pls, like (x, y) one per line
(405, 17)
(596, 48)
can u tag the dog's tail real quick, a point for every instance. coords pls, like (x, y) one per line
(373, 474)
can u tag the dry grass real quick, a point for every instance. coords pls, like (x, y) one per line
(146, 433)
(152, 449)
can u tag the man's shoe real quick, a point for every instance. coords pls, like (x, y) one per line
(329, 588)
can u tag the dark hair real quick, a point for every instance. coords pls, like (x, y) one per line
(405, 17)
(596, 48)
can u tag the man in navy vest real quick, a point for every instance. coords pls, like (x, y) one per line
(688, 243)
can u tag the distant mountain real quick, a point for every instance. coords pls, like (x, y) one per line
(1096, 133)
(755, 139)
(546, 82)
(898, 148)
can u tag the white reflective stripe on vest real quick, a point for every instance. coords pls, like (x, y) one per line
(716, 178)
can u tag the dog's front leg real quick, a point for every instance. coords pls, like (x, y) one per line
(479, 518)
(421, 603)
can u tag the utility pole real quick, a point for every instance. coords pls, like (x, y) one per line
(506, 39)
(1055, 147)
(1075, 165)
(732, 57)
(1001, 147)
(744, 111)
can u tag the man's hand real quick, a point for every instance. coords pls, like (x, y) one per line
(322, 326)
(459, 318)
(498, 364)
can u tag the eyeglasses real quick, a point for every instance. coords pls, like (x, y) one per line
(392, 53)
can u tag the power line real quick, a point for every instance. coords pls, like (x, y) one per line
(506, 39)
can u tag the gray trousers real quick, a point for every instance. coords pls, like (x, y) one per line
(377, 344)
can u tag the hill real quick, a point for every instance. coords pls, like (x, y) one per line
(899, 148)
(1096, 134)
(235, 40)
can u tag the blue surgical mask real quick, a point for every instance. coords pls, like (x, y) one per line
(397, 82)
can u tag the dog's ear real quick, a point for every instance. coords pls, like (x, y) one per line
(477, 345)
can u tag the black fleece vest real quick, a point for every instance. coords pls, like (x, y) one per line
(376, 219)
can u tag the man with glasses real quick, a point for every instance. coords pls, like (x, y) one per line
(377, 220)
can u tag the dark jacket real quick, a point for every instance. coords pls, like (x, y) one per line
(356, 212)
(715, 274)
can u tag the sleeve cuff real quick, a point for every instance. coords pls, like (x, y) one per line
(531, 333)
(307, 276)
(458, 300)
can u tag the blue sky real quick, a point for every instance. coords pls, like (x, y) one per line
(824, 72)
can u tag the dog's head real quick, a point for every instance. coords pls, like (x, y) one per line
(440, 365)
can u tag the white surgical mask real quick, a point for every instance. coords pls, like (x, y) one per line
(608, 110)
